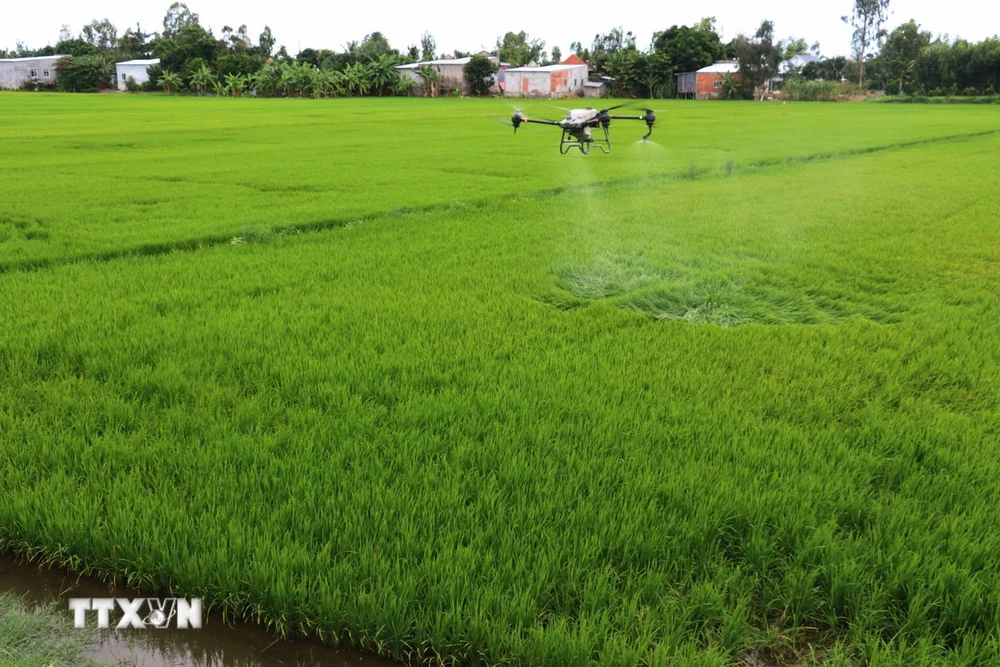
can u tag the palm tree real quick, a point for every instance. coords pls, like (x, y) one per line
(170, 81)
(202, 79)
(218, 87)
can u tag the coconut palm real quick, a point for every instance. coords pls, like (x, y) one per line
(170, 81)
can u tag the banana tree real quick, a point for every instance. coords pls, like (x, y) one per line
(170, 81)
(429, 77)
(382, 73)
(235, 84)
(202, 79)
(356, 77)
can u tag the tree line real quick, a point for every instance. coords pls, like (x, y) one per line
(193, 59)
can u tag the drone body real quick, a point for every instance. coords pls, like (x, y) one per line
(578, 125)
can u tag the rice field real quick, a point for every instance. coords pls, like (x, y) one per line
(381, 372)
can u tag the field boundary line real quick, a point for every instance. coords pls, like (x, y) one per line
(156, 249)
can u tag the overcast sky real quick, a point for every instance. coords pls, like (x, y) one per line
(468, 26)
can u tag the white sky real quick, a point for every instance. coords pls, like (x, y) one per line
(467, 26)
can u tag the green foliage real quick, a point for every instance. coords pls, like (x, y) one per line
(169, 82)
(867, 18)
(188, 43)
(239, 63)
(479, 73)
(428, 47)
(83, 74)
(610, 51)
(75, 47)
(31, 636)
(518, 50)
(828, 69)
(429, 78)
(102, 35)
(897, 62)
(688, 49)
(758, 57)
(374, 46)
(731, 89)
(202, 79)
(177, 18)
(811, 91)
(235, 85)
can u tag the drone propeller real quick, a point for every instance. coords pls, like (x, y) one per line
(517, 119)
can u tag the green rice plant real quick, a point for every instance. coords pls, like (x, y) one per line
(514, 431)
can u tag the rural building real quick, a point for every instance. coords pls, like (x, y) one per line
(706, 83)
(796, 63)
(136, 69)
(451, 74)
(595, 89)
(15, 72)
(567, 79)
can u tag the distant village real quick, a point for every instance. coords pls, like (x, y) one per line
(681, 62)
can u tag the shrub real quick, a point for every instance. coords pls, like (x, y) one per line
(479, 73)
(811, 91)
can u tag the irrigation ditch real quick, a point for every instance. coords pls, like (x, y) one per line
(219, 642)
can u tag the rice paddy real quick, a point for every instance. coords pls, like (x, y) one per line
(381, 372)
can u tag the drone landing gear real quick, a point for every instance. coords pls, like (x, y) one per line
(572, 138)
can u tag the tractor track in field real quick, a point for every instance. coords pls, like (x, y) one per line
(211, 240)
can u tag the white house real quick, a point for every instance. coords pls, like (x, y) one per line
(796, 62)
(135, 69)
(15, 72)
(566, 79)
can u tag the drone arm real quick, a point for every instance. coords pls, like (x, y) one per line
(650, 118)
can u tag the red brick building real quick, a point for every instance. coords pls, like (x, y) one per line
(706, 83)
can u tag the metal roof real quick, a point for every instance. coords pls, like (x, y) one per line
(546, 68)
(148, 62)
(447, 61)
(721, 68)
(443, 61)
(21, 60)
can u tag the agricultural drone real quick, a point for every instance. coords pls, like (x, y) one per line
(577, 126)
